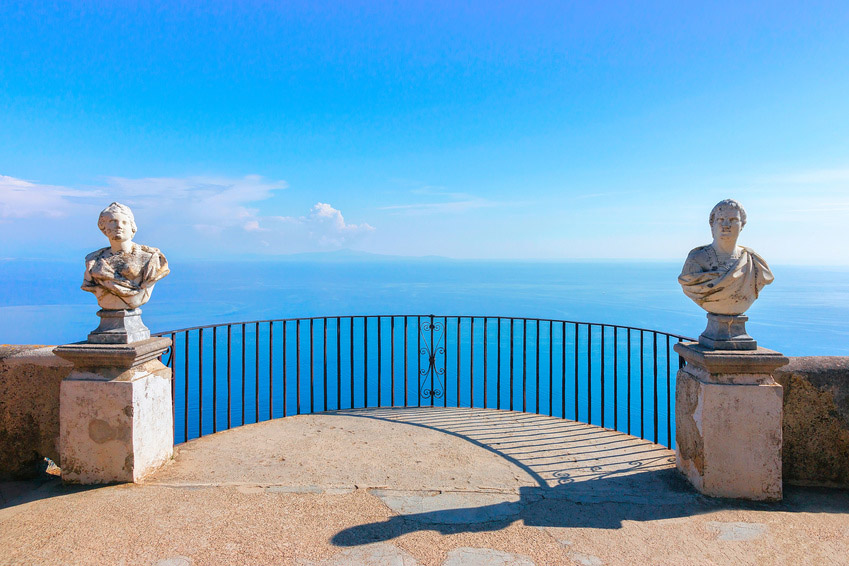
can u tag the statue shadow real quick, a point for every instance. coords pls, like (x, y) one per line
(599, 504)
(584, 495)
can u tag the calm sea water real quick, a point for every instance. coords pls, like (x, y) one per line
(805, 312)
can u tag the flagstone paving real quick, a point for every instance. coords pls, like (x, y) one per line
(428, 486)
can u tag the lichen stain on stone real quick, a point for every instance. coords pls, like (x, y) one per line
(688, 438)
(100, 431)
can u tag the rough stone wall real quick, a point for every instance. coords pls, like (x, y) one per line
(816, 420)
(29, 408)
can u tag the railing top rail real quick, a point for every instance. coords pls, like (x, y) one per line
(366, 316)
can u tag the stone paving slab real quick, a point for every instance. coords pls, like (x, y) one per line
(439, 487)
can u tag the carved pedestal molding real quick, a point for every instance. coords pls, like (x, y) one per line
(119, 327)
(115, 411)
(728, 415)
(727, 332)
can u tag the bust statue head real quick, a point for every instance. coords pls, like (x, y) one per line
(117, 223)
(727, 219)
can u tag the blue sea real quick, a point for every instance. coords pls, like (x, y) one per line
(805, 312)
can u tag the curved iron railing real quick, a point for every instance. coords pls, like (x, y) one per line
(228, 375)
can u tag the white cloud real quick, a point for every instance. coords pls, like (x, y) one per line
(447, 202)
(815, 176)
(22, 199)
(201, 215)
(324, 225)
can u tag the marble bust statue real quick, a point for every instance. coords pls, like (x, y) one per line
(722, 277)
(122, 275)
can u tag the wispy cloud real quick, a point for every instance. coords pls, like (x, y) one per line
(206, 214)
(446, 202)
(23, 199)
(324, 224)
(811, 177)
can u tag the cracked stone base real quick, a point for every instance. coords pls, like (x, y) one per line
(728, 412)
(115, 412)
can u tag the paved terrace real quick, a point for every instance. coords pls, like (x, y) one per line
(410, 487)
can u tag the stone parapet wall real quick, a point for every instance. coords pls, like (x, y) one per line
(816, 420)
(29, 408)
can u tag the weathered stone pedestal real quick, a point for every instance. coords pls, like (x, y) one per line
(728, 411)
(115, 411)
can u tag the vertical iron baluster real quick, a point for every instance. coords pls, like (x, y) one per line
(173, 364)
(602, 359)
(629, 381)
(285, 375)
(576, 371)
(432, 361)
(186, 400)
(406, 362)
(668, 394)
(615, 378)
(642, 385)
(589, 373)
(338, 363)
(352, 361)
(365, 361)
(256, 373)
(392, 360)
(654, 354)
(536, 372)
(484, 361)
(312, 367)
(229, 376)
(298, 366)
(458, 362)
(472, 362)
(214, 379)
(524, 365)
(379, 364)
(200, 383)
(498, 369)
(445, 361)
(563, 370)
(324, 346)
(243, 372)
(512, 325)
(550, 367)
(270, 370)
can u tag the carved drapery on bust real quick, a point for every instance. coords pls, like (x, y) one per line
(122, 275)
(724, 288)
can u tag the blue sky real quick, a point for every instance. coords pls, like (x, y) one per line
(463, 129)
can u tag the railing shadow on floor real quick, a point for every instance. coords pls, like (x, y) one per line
(637, 484)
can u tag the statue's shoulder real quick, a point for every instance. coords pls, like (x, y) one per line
(149, 249)
(97, 254)
(698, 253)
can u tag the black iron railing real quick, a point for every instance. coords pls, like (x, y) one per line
(228, 375)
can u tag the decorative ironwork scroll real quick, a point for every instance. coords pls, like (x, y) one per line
(431, 374)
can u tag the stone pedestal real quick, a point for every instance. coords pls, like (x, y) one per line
(119, 327)
(115, 411)
(727, 332)
(728, 411)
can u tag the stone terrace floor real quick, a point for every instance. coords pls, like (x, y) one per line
(447, 487)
